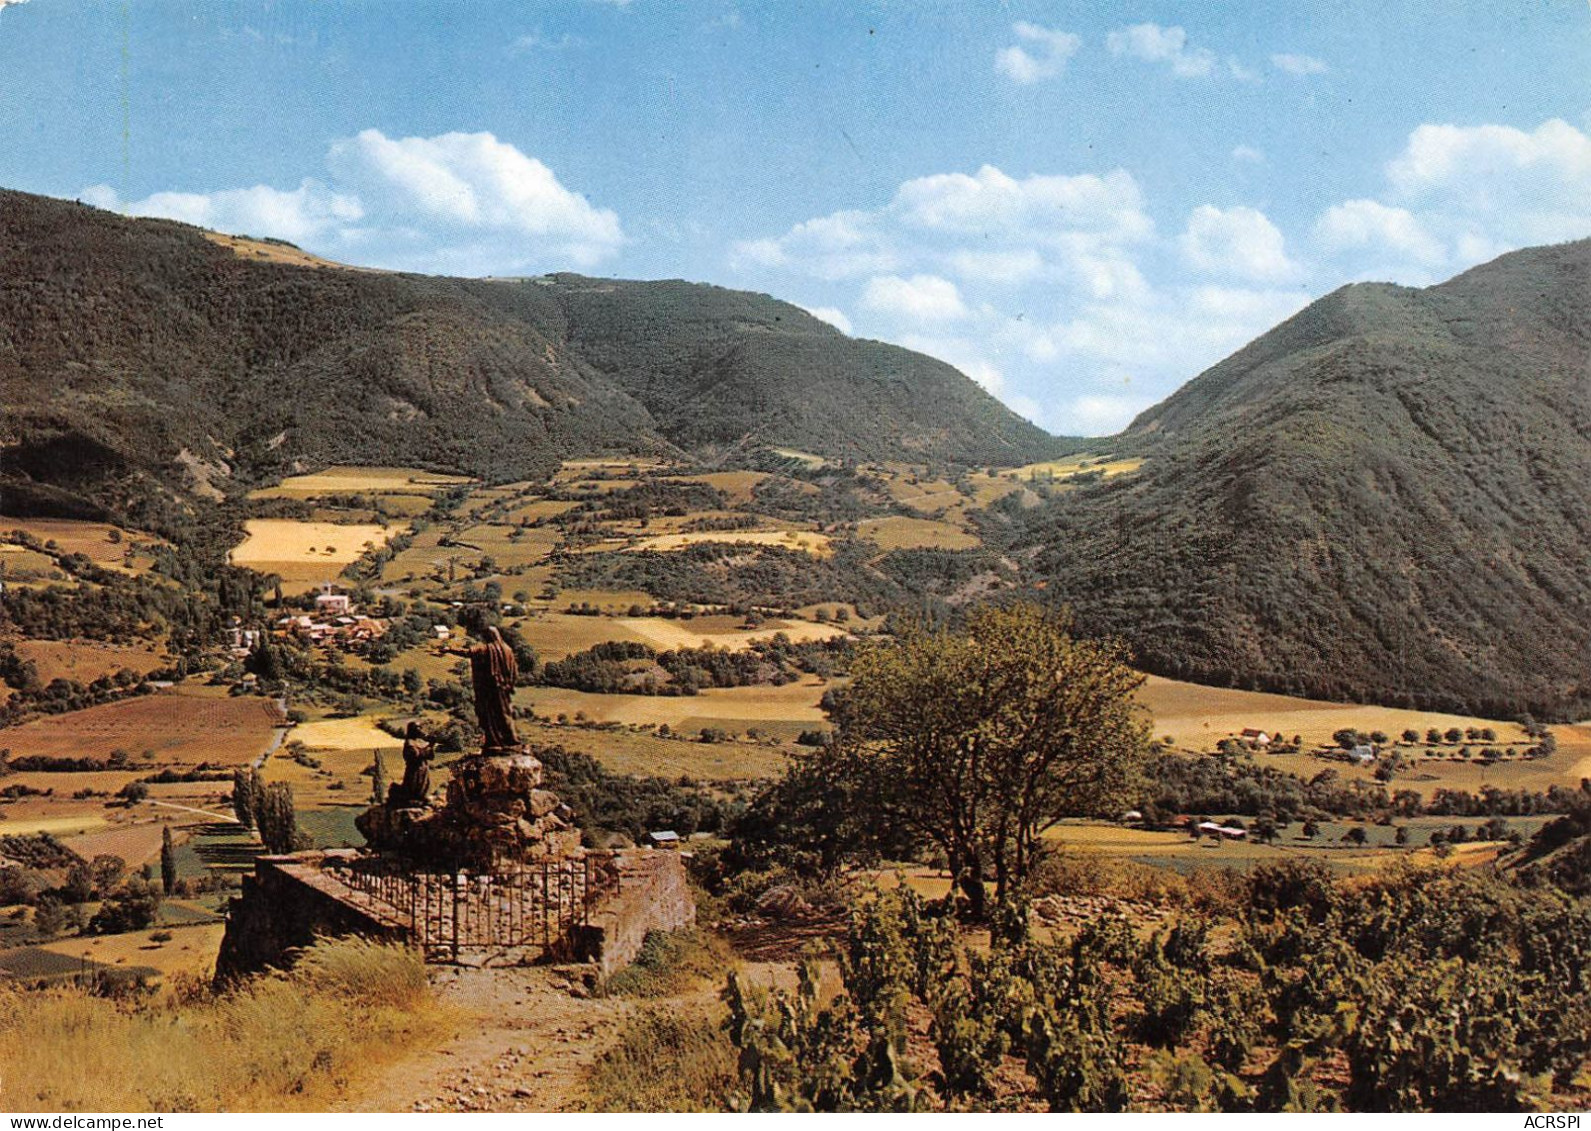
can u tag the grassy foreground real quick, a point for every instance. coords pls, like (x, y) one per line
(291, 1042)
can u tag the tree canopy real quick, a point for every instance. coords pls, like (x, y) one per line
(979, 739)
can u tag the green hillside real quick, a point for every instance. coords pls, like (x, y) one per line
(1384, 498)
(143, 365)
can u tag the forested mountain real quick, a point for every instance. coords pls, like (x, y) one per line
(1386, 497)
(141, 361)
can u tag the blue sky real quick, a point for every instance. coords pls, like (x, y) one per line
(1081, 206)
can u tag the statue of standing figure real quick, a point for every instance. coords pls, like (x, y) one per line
(493, 672)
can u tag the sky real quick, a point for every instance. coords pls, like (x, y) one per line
(1079, 205)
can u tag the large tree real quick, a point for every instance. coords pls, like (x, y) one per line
(980, 739)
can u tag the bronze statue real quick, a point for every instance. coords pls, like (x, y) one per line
(415, 790)
(492, 672)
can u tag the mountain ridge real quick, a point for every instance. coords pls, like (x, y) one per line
(136, 349)
(1381, 498)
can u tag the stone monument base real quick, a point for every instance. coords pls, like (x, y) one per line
(497, 814)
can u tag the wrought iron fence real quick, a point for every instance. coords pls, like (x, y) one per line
(533, 905)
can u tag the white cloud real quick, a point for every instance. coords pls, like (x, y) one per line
(473, 183)
(1459, 195)
(1041, 207)
(1299, 66)
(1240, 242)
(922, 298)
(1366, 226)
(1044, 288)
(1099, 414)
(1014, 267)
(842, 245)
(1248, 154)
(1535, 187)
(1153, 43)
(299, 215)
(8, 3)
(833, 315)
(1050, 50)
(457, 202)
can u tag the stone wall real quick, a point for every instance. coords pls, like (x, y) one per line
(288, 902)
(652, 895)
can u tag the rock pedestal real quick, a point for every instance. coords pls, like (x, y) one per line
(496, 814)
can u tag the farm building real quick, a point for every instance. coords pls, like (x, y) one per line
(332, 604)
(1258, 737)
(1225, 832)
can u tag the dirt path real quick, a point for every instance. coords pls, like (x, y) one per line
(524, 1044)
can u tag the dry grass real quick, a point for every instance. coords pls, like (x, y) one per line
(899, 533)
(358, 733)
(1199, 717)
(87, 660)
(264, 251)
(718, 632)
(186, 726)
(990, 489)
(272, 543)
(105, 781)
(362, 481)
(281, 1043)
(134, 843)
(529, 548)
(91, 539)
(60, 826)
(737, 486)
(667, 1058)
(1063, 469)
(190, 950)
(608, 600)
(21, 565)
(793, 703)
(631, 752)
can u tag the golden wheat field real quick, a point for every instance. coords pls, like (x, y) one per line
(270, 544)
(631, 752)
(900, 533)
(190, 950)
(1061, 469)
(104, 545)
(357, 733)
(794, 703)
(737, 486)
(360, 480)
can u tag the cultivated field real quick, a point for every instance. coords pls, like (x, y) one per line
(817, 545)
(190, 950)
(631, 752)
(357, 733)
(900, 533)
(306, 552)
(87, 660)
(104, 545)
(1198, 717)
(183, 727)
(1072, 466)
(792, 703)
(360, 481)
